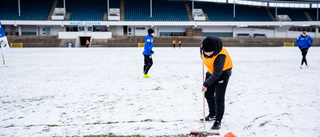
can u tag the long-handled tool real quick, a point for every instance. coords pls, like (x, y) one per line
(204, 132)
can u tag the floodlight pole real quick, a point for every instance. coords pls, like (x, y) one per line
(19, 8)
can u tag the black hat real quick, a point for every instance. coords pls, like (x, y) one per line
(212, 43)
(150, 31)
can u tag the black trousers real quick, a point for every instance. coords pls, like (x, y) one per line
(147, 63)
(215, 95)
(304, 54)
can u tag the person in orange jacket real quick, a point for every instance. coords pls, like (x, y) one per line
(180, 42)
(174, 43)
(219, 64)
(87, 43)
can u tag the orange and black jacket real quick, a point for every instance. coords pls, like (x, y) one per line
(219, 65)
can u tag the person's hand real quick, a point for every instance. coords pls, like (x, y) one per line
(309, 46)
(299, 47)
(152, 52)
(201, 57)
(204, 89)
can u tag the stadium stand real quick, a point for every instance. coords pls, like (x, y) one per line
(30, 9)
(86, 9)
(224, 12)
(294, 14)
(313, 14)
(162, 11)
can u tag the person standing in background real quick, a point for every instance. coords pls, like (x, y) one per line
(87, 43)
(174, 43)
(304, 42)
(148, 45)
(180, 42)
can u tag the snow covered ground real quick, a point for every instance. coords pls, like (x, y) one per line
(100, 91)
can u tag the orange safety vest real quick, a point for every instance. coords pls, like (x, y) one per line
(174, 42)
(87, 42)
(179, 41)
(209, 62)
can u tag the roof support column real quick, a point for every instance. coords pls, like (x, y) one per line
(150, 8)
(192, 7)
(19, 7)
(276, 12)
(64, 6)
(234, 8)
(108, 8)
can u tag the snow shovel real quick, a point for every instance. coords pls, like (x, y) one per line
(204, 132)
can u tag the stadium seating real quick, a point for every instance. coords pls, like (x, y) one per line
(139, 10)
(224, 12)
(86, 9)
(313, 14)
(30, 9)
(294, 14)
(162, 11)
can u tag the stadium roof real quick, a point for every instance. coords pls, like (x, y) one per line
(290, 1)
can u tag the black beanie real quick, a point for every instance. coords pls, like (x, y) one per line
(150, 31)
(212, 43)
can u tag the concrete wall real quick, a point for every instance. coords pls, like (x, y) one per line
(75, 35)
(54, 41)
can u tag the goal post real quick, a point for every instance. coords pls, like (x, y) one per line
(288, 44)
(16, 45)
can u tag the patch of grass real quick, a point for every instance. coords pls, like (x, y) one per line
(46, 130)
(157, 88)
(264, 123)
(12, 125)
(113, 135)
(52, 125)
(146, 120)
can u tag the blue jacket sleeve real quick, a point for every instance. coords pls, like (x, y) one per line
(311, 41)
(297, 41)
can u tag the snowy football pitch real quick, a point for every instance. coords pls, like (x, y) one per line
(100, 91)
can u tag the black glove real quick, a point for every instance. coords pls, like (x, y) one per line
(299, 47)
(309, 46)
(152, 52)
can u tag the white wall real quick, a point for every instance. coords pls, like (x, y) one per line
(269, 33)
(116, 30)
(216, 29)
(296, 34)
(54, 30)
(93, 35)
(29, 28)
(174, 29)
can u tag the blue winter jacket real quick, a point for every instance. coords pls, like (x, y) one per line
(304, 41)
(148, 44)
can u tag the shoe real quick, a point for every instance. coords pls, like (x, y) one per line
(300, 67)
(209, 118)
(216, 125)
(145, 76)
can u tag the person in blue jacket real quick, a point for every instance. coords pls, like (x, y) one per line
(148, 44)
(304, 42)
